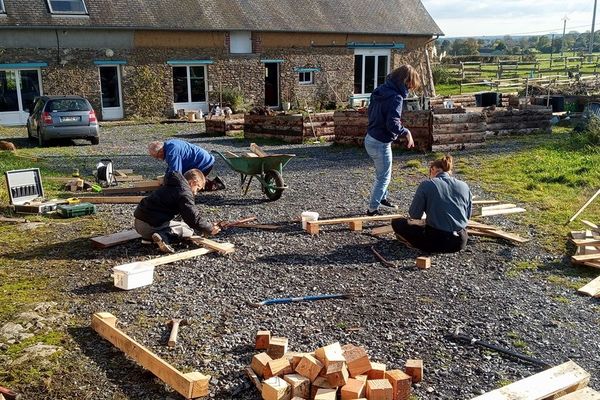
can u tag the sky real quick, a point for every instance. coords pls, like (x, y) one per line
(511, 17)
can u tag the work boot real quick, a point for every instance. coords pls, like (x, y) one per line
(374, 213)
(218, 184)
(162, 245)
(386, 202)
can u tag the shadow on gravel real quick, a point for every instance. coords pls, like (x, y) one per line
(133, 381)
(96, 288)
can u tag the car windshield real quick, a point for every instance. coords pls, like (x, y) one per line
(65, 105)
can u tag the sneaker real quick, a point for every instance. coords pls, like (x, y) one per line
(164, 247)
(387, 203)
(374, 213)
(218, 184)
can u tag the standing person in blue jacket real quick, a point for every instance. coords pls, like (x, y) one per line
(447, 203)
(385, 126)
(182, 156)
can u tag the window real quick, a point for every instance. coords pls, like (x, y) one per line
(2, 9)
(240, 42)
(67, 7)
(370, 69)
(189, 84)
(305, 78)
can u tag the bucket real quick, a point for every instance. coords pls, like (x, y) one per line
(309, 216)
(133, 275)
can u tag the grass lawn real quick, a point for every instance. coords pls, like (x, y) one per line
(551, 175)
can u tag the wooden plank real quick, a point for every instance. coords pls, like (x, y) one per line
(230, 154)
(589, 224)
(124, 171)
(190, 385)
(257, 150)
(592, 288)
(254, 379)
(222, 248)
(103, 242)
(129, 178)
(488, 213)
(258, 226)
(485, 201)
(586, 242)
(566, 377)
(582, 394)
(137, 189)
(12, 220)
(382, 230)
(586, 257)
(499, 207)
(184, 255)
(111, 199)
(150, 183)
(355, 219)
(497, 233)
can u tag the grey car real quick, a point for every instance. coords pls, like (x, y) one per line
(62, 117)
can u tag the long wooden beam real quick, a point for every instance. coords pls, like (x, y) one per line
(111, 199)
(488, 213)
(190, 385)
(586, 257)
(566, 377)
(592, 288)
(355, 222)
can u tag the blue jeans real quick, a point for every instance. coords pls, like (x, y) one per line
(381, 154)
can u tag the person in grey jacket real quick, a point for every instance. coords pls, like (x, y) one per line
(447, 203)
(154, 216)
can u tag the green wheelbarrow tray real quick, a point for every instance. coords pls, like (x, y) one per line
(268, 170)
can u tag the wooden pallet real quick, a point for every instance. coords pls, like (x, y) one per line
(190, 385)
(553, 383)
(355, 223)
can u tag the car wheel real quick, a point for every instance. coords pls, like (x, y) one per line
(29, 135)
(41, 141)
(95, 140)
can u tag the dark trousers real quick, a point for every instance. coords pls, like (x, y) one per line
(427, 238)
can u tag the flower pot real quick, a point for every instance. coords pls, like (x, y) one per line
(286, 106)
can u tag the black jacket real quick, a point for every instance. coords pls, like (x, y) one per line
(173, 198)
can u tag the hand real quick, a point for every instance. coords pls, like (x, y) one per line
(410, 143)
(215, 229)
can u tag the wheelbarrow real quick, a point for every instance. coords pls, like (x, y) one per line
(267, 169)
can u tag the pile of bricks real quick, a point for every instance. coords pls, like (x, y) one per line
(328, 373)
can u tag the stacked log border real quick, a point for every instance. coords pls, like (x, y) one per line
(351, 127)
(221, 126)
(515, 121)
(463, 130)
(461, 100)
(295, 128)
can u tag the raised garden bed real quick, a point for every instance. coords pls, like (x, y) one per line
(295, 128)
(221, 126)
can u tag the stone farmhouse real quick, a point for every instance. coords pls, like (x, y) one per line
(151, 58)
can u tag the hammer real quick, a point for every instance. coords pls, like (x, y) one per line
(174, 324)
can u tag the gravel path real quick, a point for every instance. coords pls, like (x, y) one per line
(396, 313)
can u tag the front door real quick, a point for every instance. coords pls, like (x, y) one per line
(18, 89)
(110, 85)
(272, 84)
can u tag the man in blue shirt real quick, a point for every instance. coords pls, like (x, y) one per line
(447, 203)
(182, 156)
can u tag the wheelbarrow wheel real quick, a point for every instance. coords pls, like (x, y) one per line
(273, 180)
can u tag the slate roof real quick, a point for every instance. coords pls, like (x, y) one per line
(402, 17)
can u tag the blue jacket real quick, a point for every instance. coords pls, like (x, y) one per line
(385, 110)
(446, 201)
(182, 156)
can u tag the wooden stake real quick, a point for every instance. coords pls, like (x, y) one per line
(583, 207)
(189, 385)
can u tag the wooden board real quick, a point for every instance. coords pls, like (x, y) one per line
(485, 202)
(129, 178)
(257, 150)
(111, 199)
(586, 242)
(592, 288)
(582, 394)
(586, 257)
(355, 223)
(103, 242)
(124, 171)
(254, 378)
(136, 189)
(589, 224)
(488, 213)
(184, 255)
(257, 226)
(189, 385)
(497, 233)
(499, 207)
(10, 220)
(565, 377)
(222, 248)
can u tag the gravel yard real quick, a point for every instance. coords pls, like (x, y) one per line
(395, 313)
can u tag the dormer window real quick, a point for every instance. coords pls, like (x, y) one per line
(67, 7)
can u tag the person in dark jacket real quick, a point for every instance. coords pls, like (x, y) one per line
(447, 203)
(385, 126)
(181, 156)
(155, 213)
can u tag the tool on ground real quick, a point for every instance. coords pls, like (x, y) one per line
(175, 323)
(26, 192)
(584, 207)
(230, 224)
(104, 173)
(382, 259)
(285, 300)
(458, 337)
(9, 394)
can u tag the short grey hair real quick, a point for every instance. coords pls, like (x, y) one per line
(155, 147)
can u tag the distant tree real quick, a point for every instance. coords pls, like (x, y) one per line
(446, 46)
(499, 45)
(544, 44)
(516, 50)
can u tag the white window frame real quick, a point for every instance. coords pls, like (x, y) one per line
(309, 81)
(376, 53)
(2, 9)
(240, 42)
(193, 105)
(84, 12)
